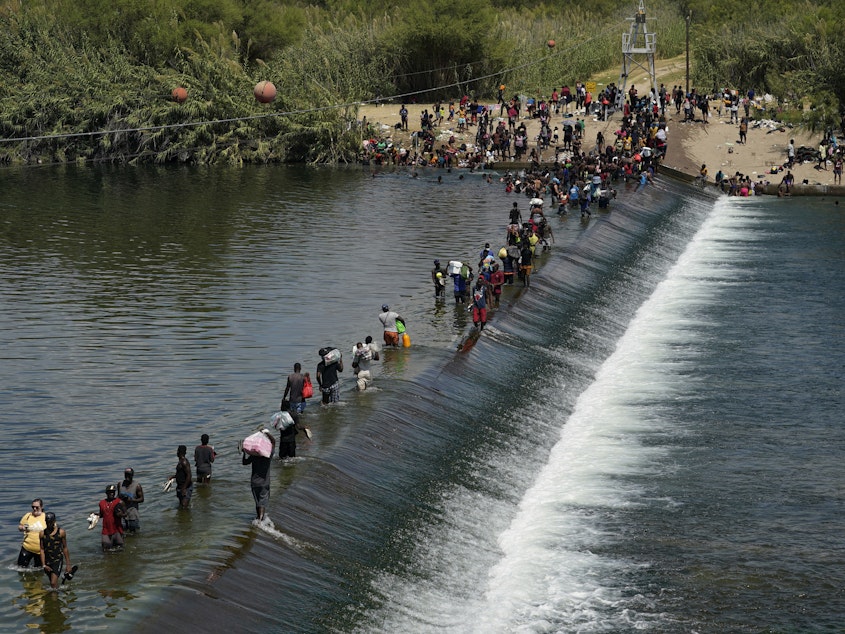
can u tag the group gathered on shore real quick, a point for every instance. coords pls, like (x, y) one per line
(523, 130)
(500, 132)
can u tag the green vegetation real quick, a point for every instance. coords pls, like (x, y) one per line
(92, 79)
(792, 50)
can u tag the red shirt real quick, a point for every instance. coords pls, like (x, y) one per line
(497, 278)
(111, 524)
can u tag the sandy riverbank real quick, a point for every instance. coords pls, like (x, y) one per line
(689, 144)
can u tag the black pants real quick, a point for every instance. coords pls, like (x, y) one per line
(25, 558)
(287, 449)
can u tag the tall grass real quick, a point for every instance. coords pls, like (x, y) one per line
(802, 59)
(57, 81)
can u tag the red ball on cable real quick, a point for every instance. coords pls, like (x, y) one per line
(179, 94)
(264, 92)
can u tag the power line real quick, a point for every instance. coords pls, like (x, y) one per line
(287, 113)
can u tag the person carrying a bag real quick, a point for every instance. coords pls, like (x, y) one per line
(293, 398)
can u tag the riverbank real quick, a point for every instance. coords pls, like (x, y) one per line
(715, 144)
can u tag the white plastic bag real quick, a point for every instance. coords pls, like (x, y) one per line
(281, 420)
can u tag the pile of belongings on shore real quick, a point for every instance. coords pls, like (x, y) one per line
(772, 125)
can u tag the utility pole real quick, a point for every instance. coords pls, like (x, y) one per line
(688, 19)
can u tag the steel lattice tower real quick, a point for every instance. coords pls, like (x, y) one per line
(636, 43)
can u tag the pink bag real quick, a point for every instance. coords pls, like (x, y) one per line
(258, 444)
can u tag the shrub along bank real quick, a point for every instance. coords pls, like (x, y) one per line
(91, 80)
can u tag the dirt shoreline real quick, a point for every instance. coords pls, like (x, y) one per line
(715, 144)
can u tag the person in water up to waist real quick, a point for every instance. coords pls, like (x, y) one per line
(204, 456)
(388, 319)
(438, 278)
(132, 495)
(363, 356)
(327, 377)
(112, 510)
(293, 390)
(54, 552)
(184, 480)
(31, 526)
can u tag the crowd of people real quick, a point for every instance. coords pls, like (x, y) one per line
(500, 132)
(45, 542)
(575, 180)
(742, 109)
(299, 388)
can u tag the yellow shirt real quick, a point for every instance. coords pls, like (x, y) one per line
(36, 525)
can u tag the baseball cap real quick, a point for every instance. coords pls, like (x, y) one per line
(385, 307)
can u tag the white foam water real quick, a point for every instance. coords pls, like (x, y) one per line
(491, 567)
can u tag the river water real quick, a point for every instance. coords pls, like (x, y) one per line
(649, 439)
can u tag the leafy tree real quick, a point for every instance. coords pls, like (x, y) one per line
(270, 27)
(440, 40)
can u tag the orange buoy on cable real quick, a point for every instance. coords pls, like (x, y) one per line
(264, 91)
(551, 43)
(179, 94)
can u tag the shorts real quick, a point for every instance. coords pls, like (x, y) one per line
(526, 269)
(479, 314)
(391, 338)
(56, 567)
(364, 379)
(115, 540)
(187, 495)
(287, 449)
(132, 526)
(331, 394)
(261, 495)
